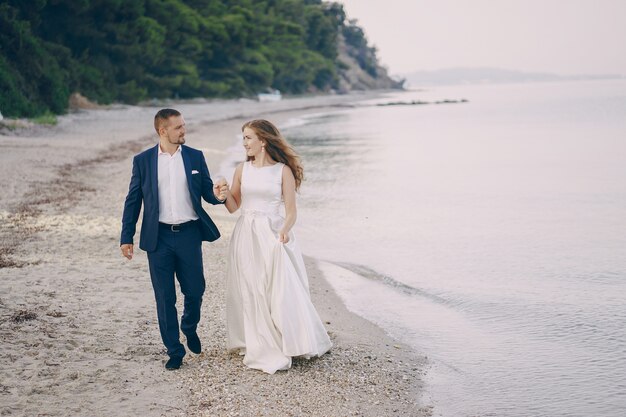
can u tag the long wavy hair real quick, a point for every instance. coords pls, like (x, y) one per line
(277, 147)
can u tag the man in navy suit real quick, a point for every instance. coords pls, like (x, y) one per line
(170, 179)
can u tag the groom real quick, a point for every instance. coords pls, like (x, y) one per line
(169, 179)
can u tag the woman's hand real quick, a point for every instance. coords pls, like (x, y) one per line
(283, 236)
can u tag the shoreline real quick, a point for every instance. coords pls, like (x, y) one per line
(78, 327)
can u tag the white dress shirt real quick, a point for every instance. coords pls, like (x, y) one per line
(174, 199)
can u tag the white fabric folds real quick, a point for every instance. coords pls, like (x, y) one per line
(270, 317)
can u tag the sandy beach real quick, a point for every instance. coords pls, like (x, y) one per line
(78, 327)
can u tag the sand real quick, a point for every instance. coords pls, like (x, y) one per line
(78, 328)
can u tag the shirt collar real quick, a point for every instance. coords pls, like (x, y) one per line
(167, 153)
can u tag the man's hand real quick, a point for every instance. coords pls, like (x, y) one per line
(127, 250)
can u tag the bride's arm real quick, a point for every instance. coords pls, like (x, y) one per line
(233, 196)
(289, 197)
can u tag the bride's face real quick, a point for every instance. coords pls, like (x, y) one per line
(251, 142)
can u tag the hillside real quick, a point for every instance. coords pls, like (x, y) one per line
(133, 50)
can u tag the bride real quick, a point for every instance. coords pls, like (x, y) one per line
(270, 317)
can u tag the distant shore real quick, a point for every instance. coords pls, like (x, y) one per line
(78, 331)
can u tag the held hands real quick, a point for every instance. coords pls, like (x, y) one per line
(220, 188)
(127, 250)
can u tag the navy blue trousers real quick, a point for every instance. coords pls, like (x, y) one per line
(179, 254)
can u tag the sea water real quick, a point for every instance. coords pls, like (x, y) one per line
(489, 234)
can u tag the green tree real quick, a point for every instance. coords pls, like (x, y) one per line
(31, 79)
(130, 50)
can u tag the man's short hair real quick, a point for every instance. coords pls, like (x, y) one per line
(161, 117)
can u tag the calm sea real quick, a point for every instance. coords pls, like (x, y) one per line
(490, 235)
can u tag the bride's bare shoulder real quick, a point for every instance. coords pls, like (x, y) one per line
(238, 172)
(287, 173)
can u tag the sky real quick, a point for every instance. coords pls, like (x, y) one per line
(567, 37)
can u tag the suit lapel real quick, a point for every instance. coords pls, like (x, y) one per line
(153, 166)
(187, 164)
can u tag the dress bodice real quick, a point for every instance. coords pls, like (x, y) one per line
(261, 188)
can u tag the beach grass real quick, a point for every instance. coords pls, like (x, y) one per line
(48, 119)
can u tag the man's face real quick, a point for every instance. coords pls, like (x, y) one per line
(174, 130)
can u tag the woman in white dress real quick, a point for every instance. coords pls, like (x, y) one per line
(270, 317)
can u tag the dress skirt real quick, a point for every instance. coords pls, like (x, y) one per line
(270, 316)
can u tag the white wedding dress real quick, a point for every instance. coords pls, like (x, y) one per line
(269, 314)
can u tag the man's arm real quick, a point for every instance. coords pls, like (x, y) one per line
(208, 192)
(132, 207)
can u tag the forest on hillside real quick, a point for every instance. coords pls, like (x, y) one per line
(132, 50)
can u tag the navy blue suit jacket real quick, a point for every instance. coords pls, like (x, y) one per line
(144, 189)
